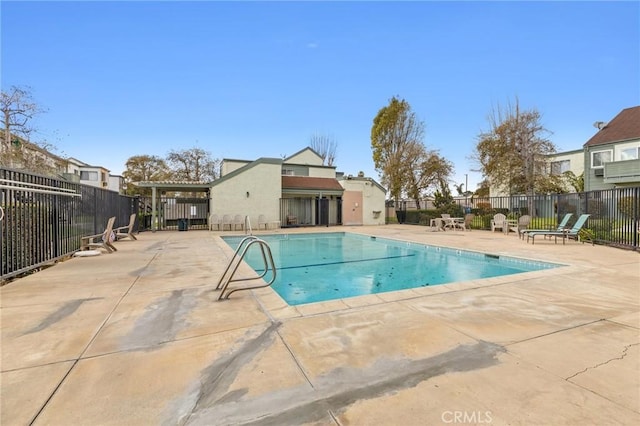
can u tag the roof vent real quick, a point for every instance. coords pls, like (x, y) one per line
(600, 125)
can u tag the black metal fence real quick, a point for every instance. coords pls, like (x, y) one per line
(43, 219)
(171, 212)
(614, 213)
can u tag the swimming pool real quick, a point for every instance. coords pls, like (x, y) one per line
(327, 266)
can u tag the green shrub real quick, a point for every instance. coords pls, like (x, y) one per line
(453, 209)
(626, 207)
(483, 208)
(595, 208)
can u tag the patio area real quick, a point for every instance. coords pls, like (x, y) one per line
(138, 337)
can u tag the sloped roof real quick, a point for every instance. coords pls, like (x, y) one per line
(625, 126)
(301, 151)
(314, 183)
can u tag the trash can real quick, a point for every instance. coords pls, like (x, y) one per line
(182, 224)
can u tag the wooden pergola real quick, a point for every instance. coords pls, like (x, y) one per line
(157, 187)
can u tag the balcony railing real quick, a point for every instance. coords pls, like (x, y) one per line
(627, 171)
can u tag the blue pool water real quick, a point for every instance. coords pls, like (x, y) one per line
(326, 266)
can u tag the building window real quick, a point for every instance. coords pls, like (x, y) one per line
(630, 154)
(89, 176)
(288, 172)
(598, 158)
(559, 167)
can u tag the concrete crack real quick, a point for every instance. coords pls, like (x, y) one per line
(624, 354)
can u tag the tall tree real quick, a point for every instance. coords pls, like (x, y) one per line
(512, 152)
(425, 170)
(400, 156)
(394, 135)
(144, 168)
(17, 109)
(483, 189)
(326, 146)
(193, 164)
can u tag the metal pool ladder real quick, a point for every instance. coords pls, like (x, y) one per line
(235, 261)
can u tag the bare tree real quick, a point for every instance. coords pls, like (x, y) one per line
(326, 146)
(194, 164)
(512, 153)
(17, 108)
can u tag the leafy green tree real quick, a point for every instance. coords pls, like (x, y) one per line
(140, 168)
(426, 169)
(442, 197)
(576, 182)
(483, 189)
(512, 153)
(394, 135)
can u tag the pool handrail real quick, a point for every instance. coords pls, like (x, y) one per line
(244, 245)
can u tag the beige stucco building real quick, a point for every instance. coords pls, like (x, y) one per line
(295, 191)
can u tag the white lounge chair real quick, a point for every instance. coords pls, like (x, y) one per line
(227, 221)
(498, 222)
(238, 220)
(214, 222)
(262, 221)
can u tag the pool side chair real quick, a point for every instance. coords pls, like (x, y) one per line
(103, 240)
(238, 220)
(498, 222)
(465, 225)
(561, 226)
(523, 223)
(292, 219)
(123, 232)
(571, 233)
(262, 221)
(227, 221)
(214, 222)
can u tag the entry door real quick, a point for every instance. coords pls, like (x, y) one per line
(322, 207)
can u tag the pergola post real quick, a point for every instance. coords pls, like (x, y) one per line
(154, 215)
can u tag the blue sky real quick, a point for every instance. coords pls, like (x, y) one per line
(257, 79)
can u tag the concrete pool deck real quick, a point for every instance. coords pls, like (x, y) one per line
(137, 337)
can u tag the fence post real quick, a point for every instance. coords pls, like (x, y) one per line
(636, 217)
